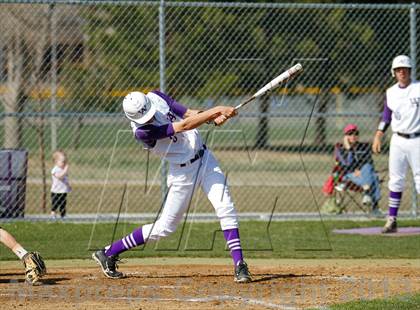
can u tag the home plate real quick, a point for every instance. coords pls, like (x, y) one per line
(403, 231)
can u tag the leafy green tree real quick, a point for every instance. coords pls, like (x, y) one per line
(216, 52)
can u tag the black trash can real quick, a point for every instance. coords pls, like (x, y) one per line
(13, 170)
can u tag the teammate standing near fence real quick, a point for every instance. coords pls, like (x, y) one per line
(402, 111)
(168, 129)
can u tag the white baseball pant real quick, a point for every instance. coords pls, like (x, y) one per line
(182, 182)
(403, 153)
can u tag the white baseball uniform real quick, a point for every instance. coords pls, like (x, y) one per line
(191, 165)
(402, 111)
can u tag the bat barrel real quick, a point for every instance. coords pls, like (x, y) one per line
(279, 79)
(291, 72)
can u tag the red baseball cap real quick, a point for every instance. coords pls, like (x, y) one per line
(350, 127)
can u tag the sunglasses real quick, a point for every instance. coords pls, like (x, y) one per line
(352, 133)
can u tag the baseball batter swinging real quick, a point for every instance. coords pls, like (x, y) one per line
(402, 111)
(168, 129)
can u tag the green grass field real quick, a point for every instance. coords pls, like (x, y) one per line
(404, 302)
(304, 239)
(279, 240)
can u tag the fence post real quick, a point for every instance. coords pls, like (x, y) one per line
(162, 68)
(413, 54)
(53, 25)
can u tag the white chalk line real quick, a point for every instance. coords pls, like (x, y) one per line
(197, 300)
(137, 286)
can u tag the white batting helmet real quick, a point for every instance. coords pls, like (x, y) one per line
(401, 61)
(138, 107)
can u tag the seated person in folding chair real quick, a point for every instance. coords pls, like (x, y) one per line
(354, 166)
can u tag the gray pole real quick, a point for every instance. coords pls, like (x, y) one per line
(53, 23)
(162, 67)
(413, 55)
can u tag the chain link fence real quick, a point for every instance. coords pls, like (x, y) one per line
(66, 65)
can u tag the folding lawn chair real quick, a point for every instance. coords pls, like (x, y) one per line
(349, 196)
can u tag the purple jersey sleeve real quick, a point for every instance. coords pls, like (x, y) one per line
(386, 118)
(150, 133)
(386, 115)
(175, 106)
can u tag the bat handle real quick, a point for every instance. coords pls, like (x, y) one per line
(244, 103)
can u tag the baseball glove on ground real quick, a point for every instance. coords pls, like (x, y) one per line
(34, 267)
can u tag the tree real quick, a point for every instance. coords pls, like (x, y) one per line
(217, 52)
(24, 41)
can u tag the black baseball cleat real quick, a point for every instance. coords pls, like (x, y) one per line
(108, 264)
(390, 226)
(242, 274)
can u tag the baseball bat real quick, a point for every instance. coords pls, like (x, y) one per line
(286, 75)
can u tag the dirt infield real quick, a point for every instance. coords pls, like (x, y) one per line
(165, 283)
